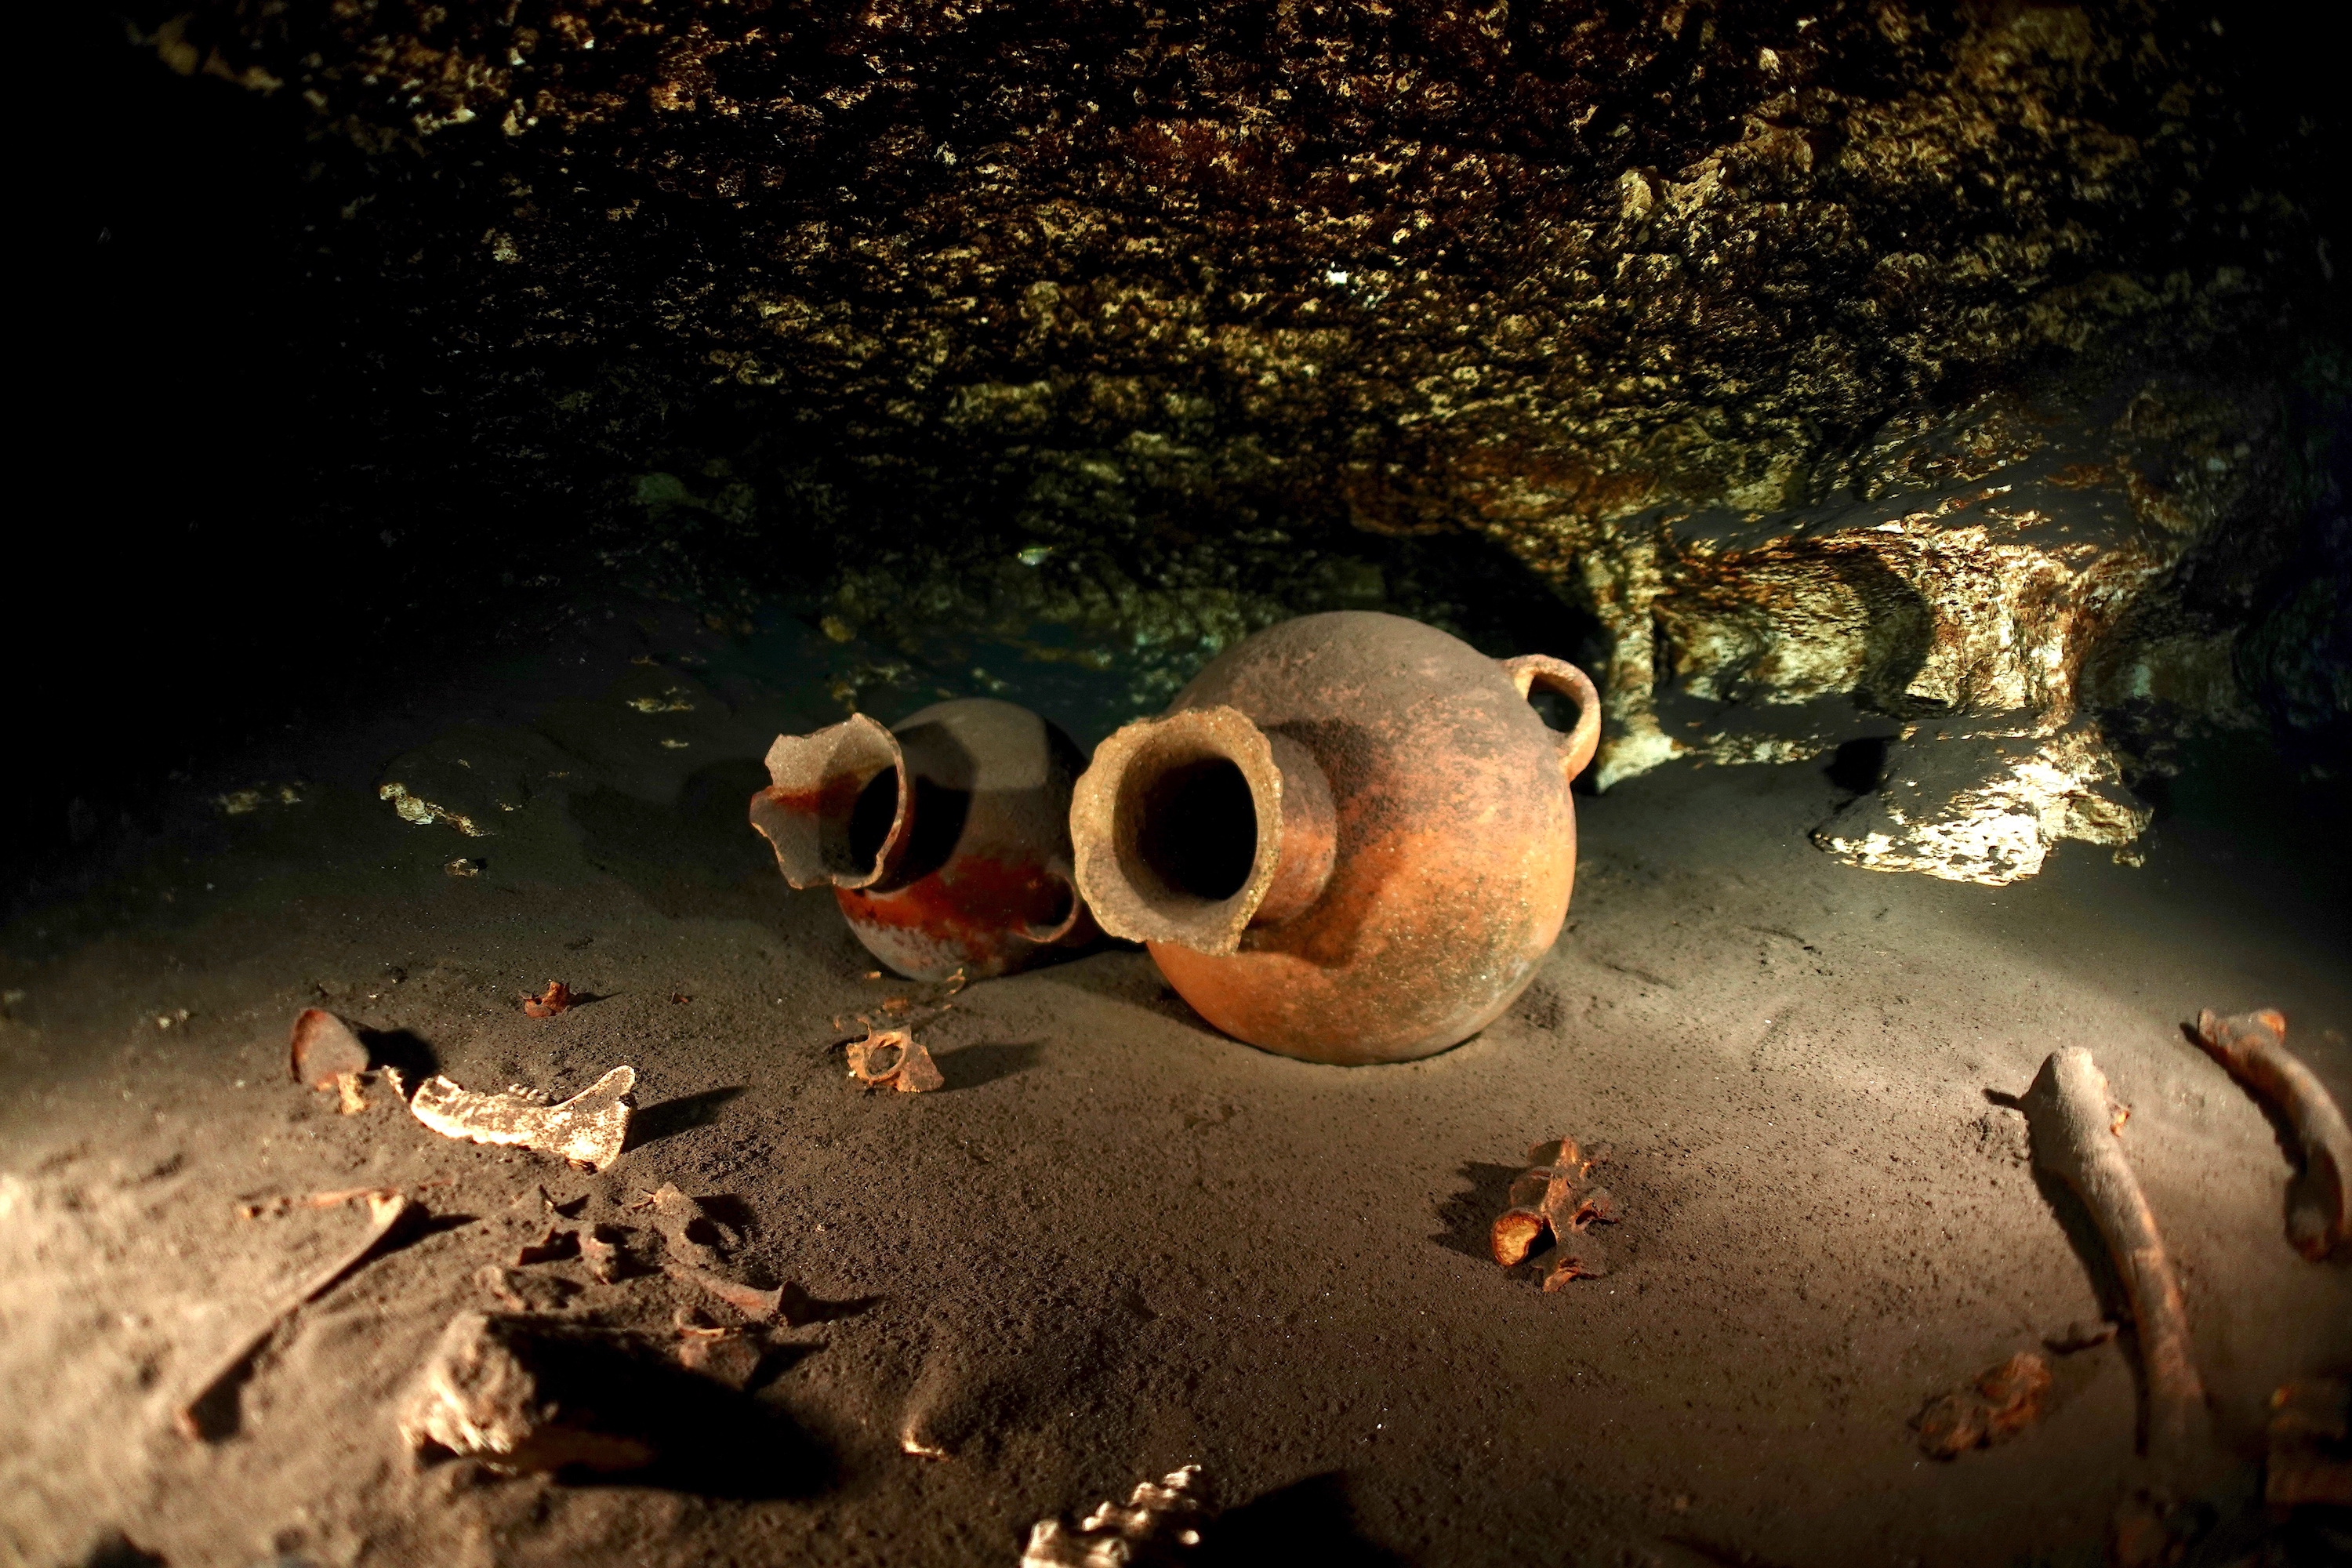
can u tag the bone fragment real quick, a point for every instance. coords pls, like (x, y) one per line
(606, 1262)
(588, 1128)
(2083, 1335)
(2001, 1402)
(2068, 1110)
(893, 1058)
(1160, 1523)
(524, 1292)
(727, 1356)
(1549, 1201)
(388, 1214)
(2310, 1442)
(688, 1257)
(557, 998)
(2252, 1047)
(1517, 1232)
(323, 1051)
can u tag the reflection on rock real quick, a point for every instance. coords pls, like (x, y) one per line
(1987, 808)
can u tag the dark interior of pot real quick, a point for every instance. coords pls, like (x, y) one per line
(1196, 828)
(475, 433)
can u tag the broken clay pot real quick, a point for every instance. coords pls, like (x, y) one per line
(946, 839)
(1349, 839)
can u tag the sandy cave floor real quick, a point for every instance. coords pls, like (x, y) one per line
(1118, 1242)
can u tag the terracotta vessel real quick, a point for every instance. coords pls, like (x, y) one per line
(1349, 839)
(946, 837)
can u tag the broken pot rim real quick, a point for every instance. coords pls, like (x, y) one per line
(1126, 897)
(861, 738)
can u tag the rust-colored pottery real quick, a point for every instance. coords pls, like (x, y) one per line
(946, 837)
(1349, 839)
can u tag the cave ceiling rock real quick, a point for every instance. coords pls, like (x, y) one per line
(1131, 291)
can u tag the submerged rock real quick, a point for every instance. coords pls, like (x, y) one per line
(1807, 376)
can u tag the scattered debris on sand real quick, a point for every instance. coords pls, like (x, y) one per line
(690, 1255)
(727, 1356)
(272, 1207)
(556, 998)
(2310, 1439)
(203, 1417)
(523, 1394)
(424, 813)
(325, 1054)
(2252, 1047)
(601, 1250)
(905, 1011)
(2070, 1116)
(1552, 1201)
(2083, 1335)
(1160, 1523)
(552, 1245)
(894, 1059)
(1999, 1404)
(464, 865)
(588, 1129)
(523, 1292)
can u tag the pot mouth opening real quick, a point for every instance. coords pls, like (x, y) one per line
(871, 817)
(1195, 827)
(836, 808)
(1178, 829)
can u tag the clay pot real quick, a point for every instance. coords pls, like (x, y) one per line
(946, 839)
(1349, 839)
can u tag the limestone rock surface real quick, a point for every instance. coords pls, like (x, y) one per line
(1817, 373)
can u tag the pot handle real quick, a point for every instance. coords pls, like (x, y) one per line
(1533, 670)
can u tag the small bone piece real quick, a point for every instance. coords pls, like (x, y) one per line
(606, 1262)
(1160, 1524)
(728, 1356)
(2252, 1047)
(2001, 1402)
(2067, 1109)
(2310, 1434)
(524, 1292)
(588, 1128)
(325, 1055)
(893, 1058)
(688, 1257)
(1549, 1201)
(556, 998)
(2081, 1335)
(388, 1213)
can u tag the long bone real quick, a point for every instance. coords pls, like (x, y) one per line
(2075, 1140)
(2252, 1047)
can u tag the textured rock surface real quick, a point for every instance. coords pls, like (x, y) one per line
(1959, 365)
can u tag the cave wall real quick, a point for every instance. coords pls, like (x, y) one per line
(1164, 323)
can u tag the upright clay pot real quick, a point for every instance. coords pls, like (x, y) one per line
(1349, 839)
(946, 837)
